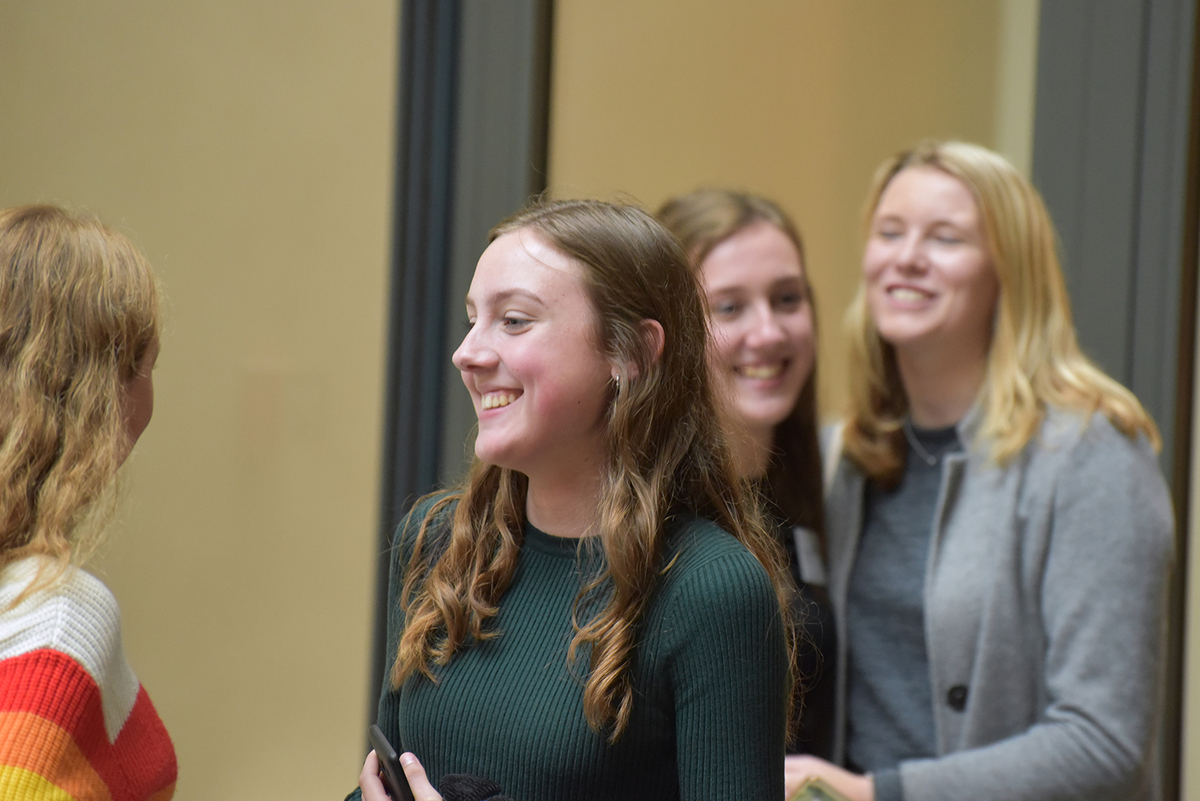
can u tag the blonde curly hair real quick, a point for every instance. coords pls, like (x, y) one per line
(79, 309)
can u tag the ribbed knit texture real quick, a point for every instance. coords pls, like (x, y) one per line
(74, 722)
(709, 674)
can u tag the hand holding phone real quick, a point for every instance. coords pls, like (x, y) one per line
(394, 780)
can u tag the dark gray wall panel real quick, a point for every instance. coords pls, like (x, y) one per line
(1086, 160)
(1110, 157)
(1114, 156)
(500, 153)
(471, 145)
(1162, 222)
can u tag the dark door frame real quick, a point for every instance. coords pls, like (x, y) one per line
(1115, 157)
(472, 127)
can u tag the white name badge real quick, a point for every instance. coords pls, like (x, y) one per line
(808, 551)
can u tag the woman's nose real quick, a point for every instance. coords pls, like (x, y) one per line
(766, 328)
(472, 353)
(911, 254)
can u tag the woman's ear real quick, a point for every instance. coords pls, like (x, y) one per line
(655, 338)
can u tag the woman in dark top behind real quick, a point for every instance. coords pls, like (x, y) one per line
(750, 260)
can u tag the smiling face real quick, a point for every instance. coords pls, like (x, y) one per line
(762, 324)
(539, 384)
(930, 284)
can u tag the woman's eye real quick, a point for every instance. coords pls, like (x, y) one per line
(512, 322)
(948, 239)
(888, 233)
(725, 309)
(789, 300)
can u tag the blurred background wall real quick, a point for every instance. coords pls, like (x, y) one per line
(248, 146)
(797, 101)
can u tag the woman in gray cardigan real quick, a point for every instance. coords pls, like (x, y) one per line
(1000, 533)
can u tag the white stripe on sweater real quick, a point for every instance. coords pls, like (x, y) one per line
(79, 617)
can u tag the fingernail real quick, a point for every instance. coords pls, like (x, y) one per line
(407, 758)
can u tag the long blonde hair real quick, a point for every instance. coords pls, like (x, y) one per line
(666, 457)
(79, 308)
(1034, 360)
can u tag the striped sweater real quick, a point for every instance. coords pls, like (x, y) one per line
(74, 721)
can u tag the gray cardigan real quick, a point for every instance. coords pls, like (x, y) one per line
(1045, 608)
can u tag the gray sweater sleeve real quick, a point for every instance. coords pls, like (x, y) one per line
(1106, 550)
(887, 785)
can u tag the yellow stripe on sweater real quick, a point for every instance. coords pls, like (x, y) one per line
(33, 746)
(18, 784)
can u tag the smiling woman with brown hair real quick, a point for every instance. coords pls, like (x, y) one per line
(749, 258)
(598, 612)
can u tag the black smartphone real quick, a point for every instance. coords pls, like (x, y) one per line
(394, 779)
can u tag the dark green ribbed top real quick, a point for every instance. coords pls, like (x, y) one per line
(709, 674)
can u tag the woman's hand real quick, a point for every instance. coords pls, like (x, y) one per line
(372, 785)
(798, 768)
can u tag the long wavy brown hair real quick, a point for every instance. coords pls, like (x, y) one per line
(666, 457)
(702, 220)
(79, 308)
(1033, 359)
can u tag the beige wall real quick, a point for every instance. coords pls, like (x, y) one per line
(798, 101)
(247, 147)
(1190, 747)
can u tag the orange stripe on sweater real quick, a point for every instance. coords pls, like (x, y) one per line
(165, 794)
(40, 746)
(54, 686)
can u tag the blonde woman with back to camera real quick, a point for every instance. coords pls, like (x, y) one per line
(1000, 533)
(79, 324)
